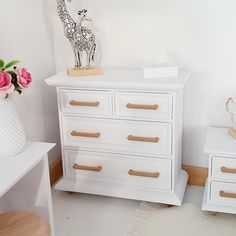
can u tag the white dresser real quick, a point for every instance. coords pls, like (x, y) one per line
(220, 190)
(121, 135)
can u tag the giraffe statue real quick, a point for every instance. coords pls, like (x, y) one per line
(81, 38)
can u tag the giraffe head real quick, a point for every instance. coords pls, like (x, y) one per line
(83, 15)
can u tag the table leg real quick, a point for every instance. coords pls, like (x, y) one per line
(32, 193)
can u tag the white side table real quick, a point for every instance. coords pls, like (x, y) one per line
(24, 182)
(220, 190)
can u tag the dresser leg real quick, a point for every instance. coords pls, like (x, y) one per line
(213, 213)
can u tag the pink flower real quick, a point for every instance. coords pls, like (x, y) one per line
(6, 86)
(23, 78)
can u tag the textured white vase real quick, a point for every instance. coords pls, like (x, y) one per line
(12, 135)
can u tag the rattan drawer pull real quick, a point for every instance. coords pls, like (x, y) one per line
(143, 139)
(85, 135)
(84, 104)
(227, 195)
(87, 168)
(142, 106)
(227, 170)
(144, 174)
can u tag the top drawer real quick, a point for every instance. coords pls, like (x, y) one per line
(149, 106)
(223, 169)
(86, 102)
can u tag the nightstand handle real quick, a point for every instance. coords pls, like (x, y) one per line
(142, 106)
(144, 174)
(86, 135)
(84, 104)
(227, 170)
(87, 168)
(143, 139)
(227, 195)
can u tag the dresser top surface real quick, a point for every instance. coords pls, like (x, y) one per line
(219, 141)
(120, 79)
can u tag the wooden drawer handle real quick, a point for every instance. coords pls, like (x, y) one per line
(85, 135)
(142, 106)
(227, 195)
(84, 104)
(143, 139)
(88, 168)
(227, 170)
(144, 174)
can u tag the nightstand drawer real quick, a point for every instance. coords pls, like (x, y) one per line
(85, 102)
(223, 169)
(151, 106)
(223, 193)
(131, 137)
(129, 170)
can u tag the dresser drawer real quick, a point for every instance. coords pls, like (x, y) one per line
(151, 106)
(223, 193)
(85, 102)
(131, 137)
(135, 171)
(223, 169)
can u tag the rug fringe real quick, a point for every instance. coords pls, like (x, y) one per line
(142, 217)
(153, 219)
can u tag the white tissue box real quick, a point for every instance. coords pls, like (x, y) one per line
(162, 71)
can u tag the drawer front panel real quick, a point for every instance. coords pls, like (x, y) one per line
(86, 102)
(223, 193)
(135, 171)
(224, 169)
(144, 105)
(144, 138)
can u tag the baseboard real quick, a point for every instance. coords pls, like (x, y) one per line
(56, 171)
(197, 175)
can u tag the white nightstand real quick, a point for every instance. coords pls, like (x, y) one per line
(121, 135)
(24, 182)
(220, 190)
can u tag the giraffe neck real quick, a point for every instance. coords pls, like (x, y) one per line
(64, 15)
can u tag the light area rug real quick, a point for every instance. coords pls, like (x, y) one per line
(158, 220)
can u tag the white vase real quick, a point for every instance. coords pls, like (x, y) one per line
(12, 135)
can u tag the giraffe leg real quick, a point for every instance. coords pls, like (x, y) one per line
(93, 53)
(88, 58)
(76, 59)
(79, 59)
(91, 58)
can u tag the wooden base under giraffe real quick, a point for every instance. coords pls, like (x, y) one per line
(74, 72)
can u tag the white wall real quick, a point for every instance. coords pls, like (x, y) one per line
(26, 34)
(198, 34)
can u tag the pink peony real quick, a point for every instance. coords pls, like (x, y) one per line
(6, 86)
(23, 78)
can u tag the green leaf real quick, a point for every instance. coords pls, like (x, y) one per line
(1, 63)
(11, 64)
